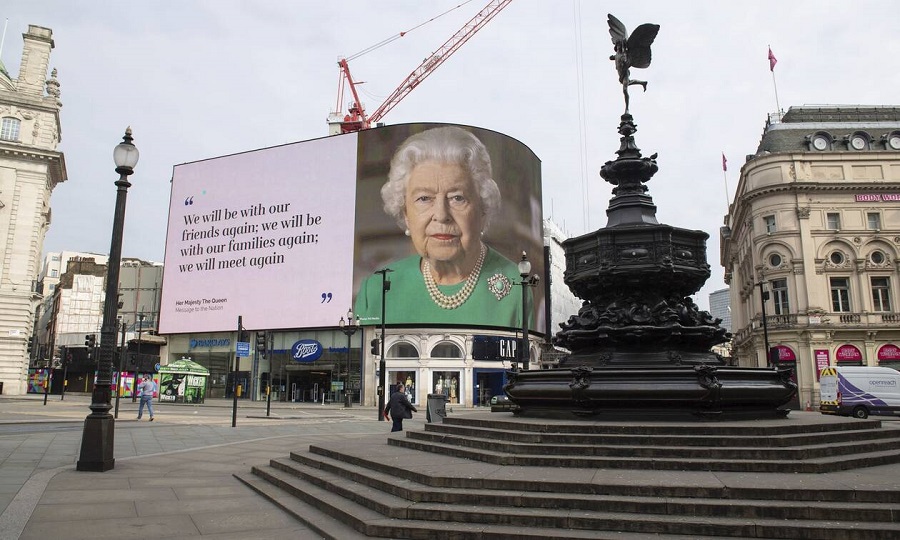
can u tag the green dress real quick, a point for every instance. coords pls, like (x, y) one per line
(495, 301)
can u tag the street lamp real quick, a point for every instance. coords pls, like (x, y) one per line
(349, 328)
(382, 366)
(99, 426)
(528, 280)
(763, 297)
(138, 363)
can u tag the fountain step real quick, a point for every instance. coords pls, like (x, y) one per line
(820, 446)
(777, 439)
(334, 474)
(383, 497)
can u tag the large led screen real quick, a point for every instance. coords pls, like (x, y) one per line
(293, 236)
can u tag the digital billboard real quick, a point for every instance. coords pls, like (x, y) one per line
(293, 236)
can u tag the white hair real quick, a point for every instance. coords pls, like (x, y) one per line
(446, 145)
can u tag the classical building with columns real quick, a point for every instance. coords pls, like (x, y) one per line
(811, 243)
(30, 167)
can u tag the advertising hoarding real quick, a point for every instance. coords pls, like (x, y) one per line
(286, 236)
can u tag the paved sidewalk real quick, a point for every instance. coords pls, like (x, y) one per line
(172, 478)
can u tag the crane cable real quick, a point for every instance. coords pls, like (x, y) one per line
(579, 76)
(384, 42)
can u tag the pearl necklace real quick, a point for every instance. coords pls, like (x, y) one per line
(458, 299)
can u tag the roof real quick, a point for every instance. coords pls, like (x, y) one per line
(791, 133)
(184, 366)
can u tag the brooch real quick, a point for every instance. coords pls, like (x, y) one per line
(499, 285)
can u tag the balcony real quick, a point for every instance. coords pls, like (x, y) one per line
(802, 321)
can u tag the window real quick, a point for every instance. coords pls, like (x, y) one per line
(837, 257)
(446, 350)
(9, 129)
(877, 257)
(780, 292)
(881, 294)
(833, 221)
(53, 272)
(403, 350)
(774, 260)
(873, 220)
(840, 294)
(770, 223)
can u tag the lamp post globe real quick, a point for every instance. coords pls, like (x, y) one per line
(99, 426)
(528, 280)
(348, 328)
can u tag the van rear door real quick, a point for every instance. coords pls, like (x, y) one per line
(829, 396)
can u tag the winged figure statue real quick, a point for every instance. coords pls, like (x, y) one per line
(631, 51)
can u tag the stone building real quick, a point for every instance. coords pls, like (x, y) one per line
(811, 243)
(30, 167)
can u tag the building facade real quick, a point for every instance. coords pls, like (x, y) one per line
(811, 245)
(30, 167)
(720, 308)
(468, 365)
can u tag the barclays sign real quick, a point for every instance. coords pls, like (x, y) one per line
(208, 343)
(306, 350)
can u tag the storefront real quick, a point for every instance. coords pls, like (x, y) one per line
(889, 356)
(848, 355)
(294, 373)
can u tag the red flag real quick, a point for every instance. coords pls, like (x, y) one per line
(724, 162)
(772, 60)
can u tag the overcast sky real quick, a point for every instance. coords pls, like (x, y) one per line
(198, 79)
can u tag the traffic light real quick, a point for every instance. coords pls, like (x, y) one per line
(375, 348)
(90, 341)
(30, 344)
(261, 343)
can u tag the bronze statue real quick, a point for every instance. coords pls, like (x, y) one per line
(631, 51)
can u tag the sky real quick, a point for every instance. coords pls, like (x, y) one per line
(196, 79)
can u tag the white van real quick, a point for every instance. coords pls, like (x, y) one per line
(859, 391)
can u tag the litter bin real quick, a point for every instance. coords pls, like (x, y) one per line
(436, 408)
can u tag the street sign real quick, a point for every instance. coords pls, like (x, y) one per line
(157, 366)
(243, 348)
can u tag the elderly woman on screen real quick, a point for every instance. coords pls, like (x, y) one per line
(440, 190)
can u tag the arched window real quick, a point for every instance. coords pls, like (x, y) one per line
(9, 130)
(402, 350)
(446, 350)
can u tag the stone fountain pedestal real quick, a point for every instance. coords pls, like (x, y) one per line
(639, 345)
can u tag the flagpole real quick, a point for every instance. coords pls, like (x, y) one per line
(725, 179)
(772, 62)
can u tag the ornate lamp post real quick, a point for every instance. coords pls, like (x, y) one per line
(528, 280)
(349, 328)
(99, 426)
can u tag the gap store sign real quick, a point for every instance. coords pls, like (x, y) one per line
(495, 348)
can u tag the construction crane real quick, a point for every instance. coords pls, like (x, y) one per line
(356, 117)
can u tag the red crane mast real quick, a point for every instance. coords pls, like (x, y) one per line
(356, 119)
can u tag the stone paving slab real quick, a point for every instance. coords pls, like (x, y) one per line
(172, 478)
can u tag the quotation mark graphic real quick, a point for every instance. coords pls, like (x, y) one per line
(326, 297)
(189, 201)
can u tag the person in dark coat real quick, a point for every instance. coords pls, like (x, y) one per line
(399, 408)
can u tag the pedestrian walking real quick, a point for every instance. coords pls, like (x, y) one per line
(146, 388)
(399, 408)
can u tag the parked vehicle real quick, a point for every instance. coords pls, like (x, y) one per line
(859, 391)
